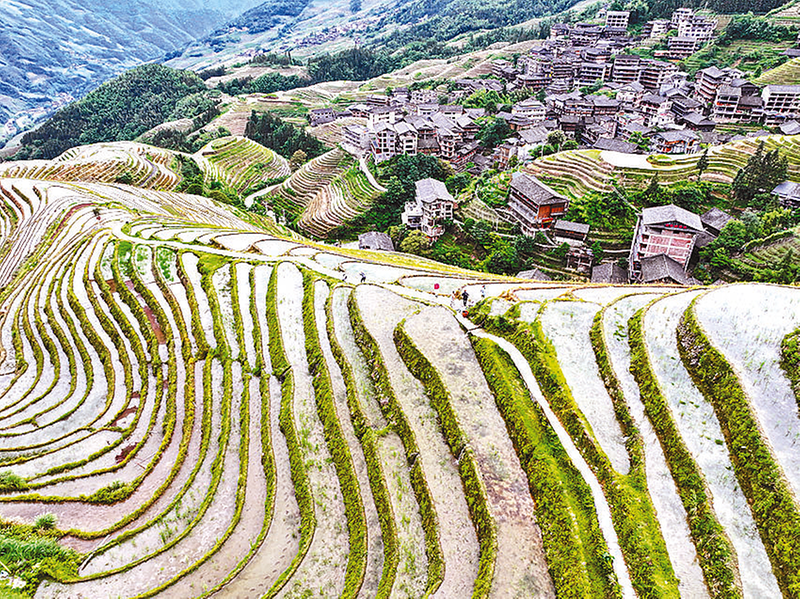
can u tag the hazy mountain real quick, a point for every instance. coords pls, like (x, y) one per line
(307, 27)
(52, 51)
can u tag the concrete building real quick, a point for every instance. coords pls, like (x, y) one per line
(655, 28)
(356, 136)
(682, 47)
(530, 109)
(781, 103)
(668, 230)
(697, 27)
(656, 110)
(432, 204)
(788, 194)
(617, 18)
(676, 142)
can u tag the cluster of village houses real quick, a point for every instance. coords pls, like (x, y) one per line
(648, 98)
(640, 104)
(665, 239)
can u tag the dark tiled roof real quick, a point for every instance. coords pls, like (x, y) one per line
(375, 241)
(430, 190)
(716, 218)
(615, 145)
(670, 213)
(659, 267)
(565, 225)
(535, 191)
(609, 273)
(534, 275)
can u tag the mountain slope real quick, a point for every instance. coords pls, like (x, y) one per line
(307, 27)
(199, 401)
(53, 51)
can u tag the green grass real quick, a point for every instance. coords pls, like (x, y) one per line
(573, 543)
(786, 74)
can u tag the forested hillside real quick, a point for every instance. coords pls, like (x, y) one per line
(121, 109)
(53, 51)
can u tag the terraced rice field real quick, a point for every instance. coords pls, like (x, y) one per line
(323, 193)
(772, 253)
(208, 408)
(146, 166)
(577, 172)
(240, 162)
(786, 74)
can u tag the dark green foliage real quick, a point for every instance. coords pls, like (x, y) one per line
(640, 140)
(761, 478)
(280, 136)
(456, 183)
(691, 195)
(196, 105)
(494, 132)
(763, 171)
(265, 84)
(610, 211)
(702, 164)
(430, 19)
(749, 27)
(504, 258)
(125, 178)
(354, 64)
(121, 109)
(490, 100)
(210, 72)
(273, 58)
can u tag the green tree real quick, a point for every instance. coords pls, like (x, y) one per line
(702, 164)
(456, 183)
(640, 140)
(297, 160)
(597, 251)
(556, 139)
(416, 242)
(494, 132)
(763, 171)
(504, 259)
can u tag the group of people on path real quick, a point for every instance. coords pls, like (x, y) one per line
(462, 297)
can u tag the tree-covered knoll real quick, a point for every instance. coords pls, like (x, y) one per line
(121, 109)
(280, 136)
